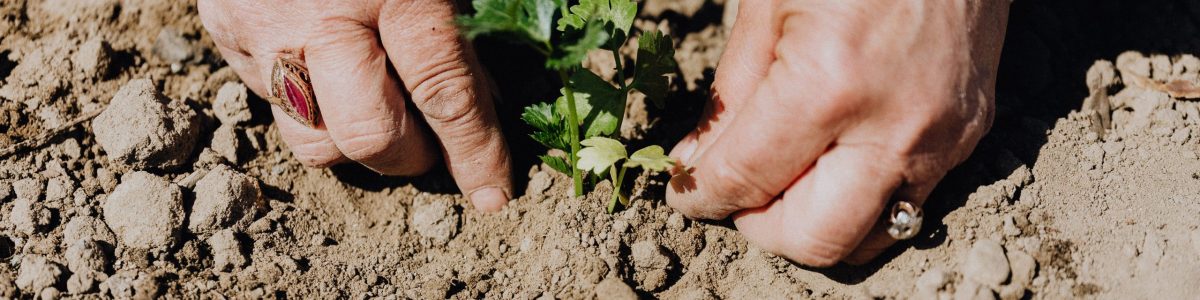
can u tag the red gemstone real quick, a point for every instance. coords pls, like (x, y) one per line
(296, 98)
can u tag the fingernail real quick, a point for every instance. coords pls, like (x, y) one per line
(489, 199)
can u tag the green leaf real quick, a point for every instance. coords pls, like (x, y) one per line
(557, 163)
(599, 105)
(600, 154)
(550, 128)
(650, 158)
(655, 59)
(574, 46)
(531, 20)
(620, 13)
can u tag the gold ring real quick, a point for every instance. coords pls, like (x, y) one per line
(906, 219)
(292, 91)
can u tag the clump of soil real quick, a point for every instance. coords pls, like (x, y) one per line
(182, 187)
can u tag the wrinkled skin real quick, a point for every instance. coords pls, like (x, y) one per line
(824, 112)
(366, 60)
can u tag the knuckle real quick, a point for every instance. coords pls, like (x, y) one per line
(448, 97)
(813, 250)
(367, 140)
(316, 154)
(736, 184)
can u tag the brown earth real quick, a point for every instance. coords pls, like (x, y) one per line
(1054, 203)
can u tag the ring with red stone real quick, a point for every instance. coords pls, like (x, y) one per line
(291, 90)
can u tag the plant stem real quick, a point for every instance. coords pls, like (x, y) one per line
(620, 70)
(573, 131)
(618, 179)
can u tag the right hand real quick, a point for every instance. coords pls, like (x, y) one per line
(366, 59)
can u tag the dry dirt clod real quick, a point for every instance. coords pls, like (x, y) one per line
(144, 210)
(143, 129)
(651, 265)
(8, 289)
(29, 188)
(94, 58)
(436, 220)
(931, 283)
(971, 290)
(5, 191)
(49, 293)
(37, 273)
(1024, 268)
(82, 282)
(172, 47)
(87, 227)
(986, 263)
(86, 255)
(29, 217)
(226, 251)
(130, 284)
(225, 142)
(225, 198)
(615, 289)
(230, 106)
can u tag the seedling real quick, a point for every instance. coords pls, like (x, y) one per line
(590, 108)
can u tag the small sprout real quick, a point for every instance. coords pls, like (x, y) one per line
(590, 108)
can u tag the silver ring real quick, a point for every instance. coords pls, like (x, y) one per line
(906, 220)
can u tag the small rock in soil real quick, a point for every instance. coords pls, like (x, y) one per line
(143, 129)
(82, 282)
(930, 283)
(50, 293)
(226, 143)
(986, 263)
(29, 188)
(94, 58)
(29, 217)
(226, 251)
(230, 106)
(971, 290)
(651, 265)
(1023, 266)
(87, 227)
(130, 284)
(86, 255)
(172, 47)
(38, 273)
(436, 220)
(144, 210)
(58, 189)
(615, 289)
(225, 198)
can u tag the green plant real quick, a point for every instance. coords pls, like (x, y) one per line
(590, 108)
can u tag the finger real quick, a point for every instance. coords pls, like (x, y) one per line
(310, 146)
(827, 212)
(361, 103)
(748, 53)
(440, 72)
(879, 240)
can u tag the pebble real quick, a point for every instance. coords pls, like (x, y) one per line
(1024, 268)
(436, 220)
(986, 263)
(930, 283)
(29, 189)
(226, 251)
(231, 106)
(225, 198)
(130, 284)
(86, 255)
(651, 265)
(172, 47)
(37, 273)
(143, 129)
(50, 293)
(615, 289)
(82, 282)
(58, 189)
(94, 58)
(29, 217)
(144, 211)
(226, 143)
(87, 227)
(319, 240)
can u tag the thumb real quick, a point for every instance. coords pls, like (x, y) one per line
(440, 72)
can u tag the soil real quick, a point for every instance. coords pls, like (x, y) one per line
(1087, 186)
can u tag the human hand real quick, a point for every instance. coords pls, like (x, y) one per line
(824, 112)
(365, 60)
